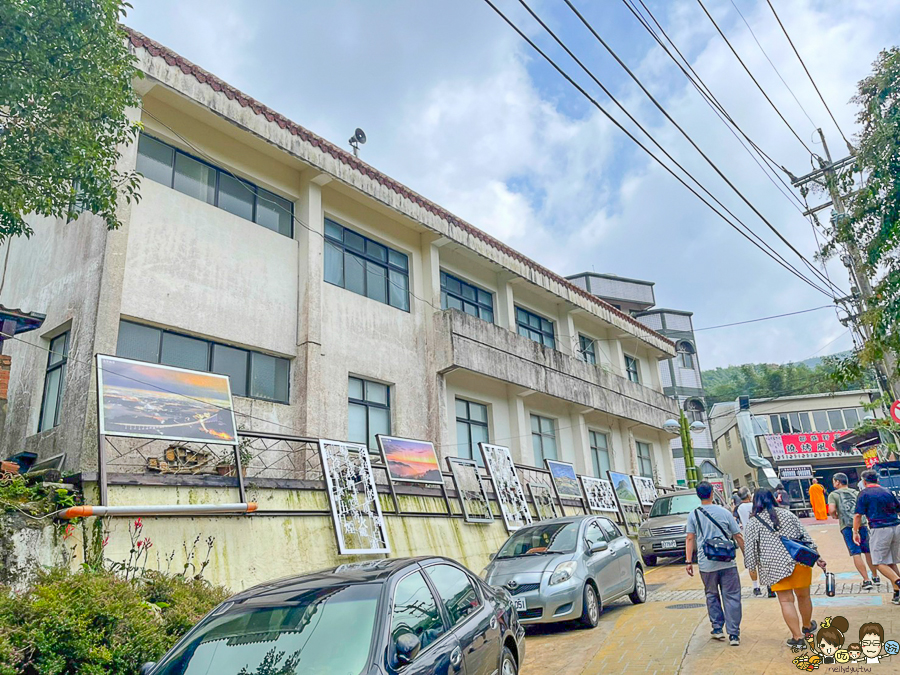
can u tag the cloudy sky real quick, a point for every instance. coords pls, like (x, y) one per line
(458, 107)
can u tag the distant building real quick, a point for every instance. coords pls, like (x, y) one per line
(680, 376)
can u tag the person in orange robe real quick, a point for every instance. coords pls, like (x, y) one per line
(817, 500)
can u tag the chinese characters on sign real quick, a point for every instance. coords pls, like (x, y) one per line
(815, 445)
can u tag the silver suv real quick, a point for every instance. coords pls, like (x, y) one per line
(663, 533)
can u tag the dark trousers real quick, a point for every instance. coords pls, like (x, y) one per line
(723, 587)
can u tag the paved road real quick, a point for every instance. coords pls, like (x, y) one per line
(670, 633)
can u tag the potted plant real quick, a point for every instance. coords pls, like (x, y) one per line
(226, 466)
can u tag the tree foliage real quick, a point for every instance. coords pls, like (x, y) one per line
(65, 83)
(766, 380)
(873, 221)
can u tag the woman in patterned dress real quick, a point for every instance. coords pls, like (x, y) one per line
(765, 553)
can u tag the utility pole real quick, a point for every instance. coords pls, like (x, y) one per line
(827, 177)
(687, 446)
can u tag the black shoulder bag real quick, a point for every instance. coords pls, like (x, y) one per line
(796, 548)
(720, 549)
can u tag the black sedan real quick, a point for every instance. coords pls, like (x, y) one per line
(404, 615)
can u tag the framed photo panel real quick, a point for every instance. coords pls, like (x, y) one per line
(148, 400)
(564, 478)
(627, 500)
(645, 489)
(513, 506)
(544, 504)
(472, 495)
(358, 522)
(410, 461)
(599, 493)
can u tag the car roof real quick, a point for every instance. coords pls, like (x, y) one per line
(360, 572)
(562, 519)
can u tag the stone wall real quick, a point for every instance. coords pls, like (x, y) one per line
(27, 546)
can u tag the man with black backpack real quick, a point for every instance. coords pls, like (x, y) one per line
(842, 507)
(717, 535)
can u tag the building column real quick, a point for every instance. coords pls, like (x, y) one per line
(567, 337)
(506, 309)
(580, 443)
(519, 427)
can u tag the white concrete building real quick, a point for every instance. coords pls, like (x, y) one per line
(340, 303)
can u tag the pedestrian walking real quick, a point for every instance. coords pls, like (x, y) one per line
(782, 496)
(882, 509)
(735, 502)
(766, 553)
(817, 500)
(715, 532)
(743, 515)
(842, 507)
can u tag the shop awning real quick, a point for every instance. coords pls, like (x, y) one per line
(860, 441)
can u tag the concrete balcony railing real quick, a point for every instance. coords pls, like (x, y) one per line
(466, 342)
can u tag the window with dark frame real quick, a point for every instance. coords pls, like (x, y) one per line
(599, 443)
(633, 369)
(685, 354)
(368, 411)
(165, 164)
(645, 458)
(54, 382)
(586, 349)
(536, 327)
(543, 439)
(694, 410)
(471, 429)
(359, 264)
(461, 295)
(252, 374)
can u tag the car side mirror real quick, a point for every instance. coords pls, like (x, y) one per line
(598, 547)
(492, 556)
(408, 646)
(146, 668)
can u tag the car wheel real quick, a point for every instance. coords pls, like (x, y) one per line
(639, 594)
(590, 608)
(508, 663)
(650, 560)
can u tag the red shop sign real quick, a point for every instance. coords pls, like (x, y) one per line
(815, 445)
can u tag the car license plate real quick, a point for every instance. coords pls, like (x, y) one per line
(669, 543)
(519, 604)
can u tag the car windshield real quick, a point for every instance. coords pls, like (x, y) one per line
(322, 632)
(549, 538)
(673, 506)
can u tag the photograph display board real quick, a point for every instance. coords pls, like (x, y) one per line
(410, 461)
(627, 499)
(472, 495)
(564, 479)
(645, 489)
(355, 509)
(148, 400)
(506, 485)
(544, 504)
(599, 492)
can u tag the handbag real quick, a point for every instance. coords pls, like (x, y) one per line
(720, 549)
(796, 548)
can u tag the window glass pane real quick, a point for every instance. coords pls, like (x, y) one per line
(536, 424)
(398, 259)
(334, 231)
(820, 419)
(52, 387)
(455, 590)
(376, 251)
(462, 409)
(376, 392)
(57, 349)
(795, 423)
(354, 273)
(356, 388)
(269, 377)
(356, 423)
(334, 264)
(415, 611)
(376, 282)
(478, 412)
(232, 362)
(454, 303)
(546, 425)
(850, 418)
(487, 315)
(549, 341)
(235, 196)
(452, 285)
(485, 298)
(138, 342)
(195, 178)
(805, 423)
(479, 435)
(469, 293)
(776, 425)
(836, 420)
(185, 352)
(785, 424)
(155, 160)
(469, 308)
(379, 423)
(549, 447)
(354, 241)
(538, 450)
(399, 290)
(273, 212)
(462, 440)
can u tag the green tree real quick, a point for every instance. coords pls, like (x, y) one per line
(65, 83)
(873, 219)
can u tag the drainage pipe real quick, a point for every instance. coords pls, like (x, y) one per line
(161, 510)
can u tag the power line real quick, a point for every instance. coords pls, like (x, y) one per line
(656, 103)
(764, 318)
(758, 85)
(771, 63)
(809, 75)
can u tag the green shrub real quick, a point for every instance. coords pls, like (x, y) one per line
(95, 622)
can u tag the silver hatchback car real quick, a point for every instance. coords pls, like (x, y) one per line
(567, 569)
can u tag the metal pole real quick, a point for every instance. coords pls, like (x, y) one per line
(690, 471)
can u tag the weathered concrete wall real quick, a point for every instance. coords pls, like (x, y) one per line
(27, 547)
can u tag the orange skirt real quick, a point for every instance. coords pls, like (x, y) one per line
(801, 577)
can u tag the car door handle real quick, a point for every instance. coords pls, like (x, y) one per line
(456, 657)
(493, 622)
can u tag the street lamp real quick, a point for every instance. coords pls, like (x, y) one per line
(681, 427)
